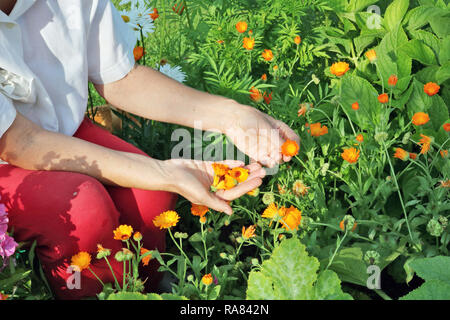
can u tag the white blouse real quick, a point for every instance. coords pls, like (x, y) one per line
(50, 49)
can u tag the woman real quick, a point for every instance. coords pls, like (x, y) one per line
(67, 183)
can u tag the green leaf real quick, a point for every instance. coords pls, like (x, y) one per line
(395, 13)
(417, 50)
(130, 296)
(430, 290)
(291, 274)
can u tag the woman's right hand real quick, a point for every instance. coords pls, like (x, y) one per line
(193, 179)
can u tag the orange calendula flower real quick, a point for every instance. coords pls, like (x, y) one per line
(166, 219)
(154, 15)
(299, 188)
(401, 154)
(446, 127)
(392, 81)
(220, 169)
(3, 296)
(425, 143)
(264, 77)
(431, 88)
(445, 184)
(360, 138)
(123, 232)
(138, 53)
(248, 233)
(248, 43)
(292, 218)
(339, 68)
(444, 153)
(297, 40)
(137, 236)
(342, 225)
(317, 129)
(383, 98)
(254, 192)
(290, 148)
(81, 261)
(350, 155)
(272, 210)
(267, 54)
(240, 174)
(220, 41)
(256, 95)
(241, 26)
(198, 210)
(275, 68)
(267, 98)
(413, 155)
(207, 279)
(355, 106)
(203, 220)
(371, 55)
(304, 108)
(420, 118)
(147, 258)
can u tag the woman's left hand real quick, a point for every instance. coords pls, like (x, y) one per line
(259, 135)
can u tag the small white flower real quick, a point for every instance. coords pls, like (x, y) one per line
(173, 72)
(137, 19)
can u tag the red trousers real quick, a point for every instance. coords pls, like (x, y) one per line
(68, 212)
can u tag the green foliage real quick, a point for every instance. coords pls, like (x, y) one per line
(436, 273)
(291, 274)
(140, 296)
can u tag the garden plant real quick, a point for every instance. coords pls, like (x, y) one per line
(360, 212)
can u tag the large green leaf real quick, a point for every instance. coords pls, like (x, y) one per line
(419, 51)
(291, 274)
(395, 13)
(436, 273)
(140, 296)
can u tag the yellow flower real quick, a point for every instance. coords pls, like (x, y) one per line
(203, 219)
(220, 169)
(166, 219)
(81, 260)
(240, 174)
(248, 43)
(371, 55)
(137, 236)
(350, 155)
(292, 218)
(207, 279)
(339, 68)
(272, 211)
(123, 232)
(248, 233)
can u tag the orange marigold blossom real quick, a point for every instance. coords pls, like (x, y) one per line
(297, 40)
(249, 232)
(241, 26)
(256, 95)
(350, 155)
(267, 54)
(137, 236)
(198, 210)
(275, 68)
(392, 81)
(147, 258)
(412, 155)
(3, 296)
(166, 219)
(264, 77)
(446, 127)
(401, 154)
(339, 68)
(203, 220)
(220, 41)
(444, 153)
(248, 43)
(220, 169)
(445, 184)
(154, 15)
(431, 88)
(355, 106)
(360, 138)
(371, 55)
(240, 174)
(138, 53)
(383, 98)
(207, 279)
(290, 148)
(292, 218)
(425, 143)
(271, 211)
(420, 118)
(317, 130)
(123, 232)
(81, 261)
(304, 108)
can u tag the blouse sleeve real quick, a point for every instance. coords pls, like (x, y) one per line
(7, 114)
(110, 45)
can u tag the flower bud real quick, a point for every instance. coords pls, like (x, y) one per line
(190, 278)
(434, 228)
(372, 257)
(268, 198)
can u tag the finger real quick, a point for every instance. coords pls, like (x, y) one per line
(212, 201)
(287, 159)
(239, 190)
(255, 166)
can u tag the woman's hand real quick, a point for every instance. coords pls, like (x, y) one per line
(193, 179)
(258, 135)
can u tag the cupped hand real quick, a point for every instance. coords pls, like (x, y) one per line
(193, 180)
(259, 135)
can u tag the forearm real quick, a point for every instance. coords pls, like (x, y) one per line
(28, 146)
(152, 95)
